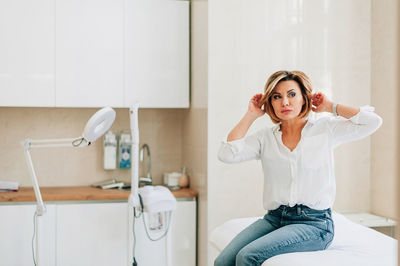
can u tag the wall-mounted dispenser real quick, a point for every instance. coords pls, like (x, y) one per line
(110, 151)
(124, 153)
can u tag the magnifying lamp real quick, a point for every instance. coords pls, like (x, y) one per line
(97, 125)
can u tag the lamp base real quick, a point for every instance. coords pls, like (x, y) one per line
(40, 210)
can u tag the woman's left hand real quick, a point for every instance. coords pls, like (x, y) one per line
(321, 103)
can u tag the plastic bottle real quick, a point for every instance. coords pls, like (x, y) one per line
(110, 151)
(125, 146)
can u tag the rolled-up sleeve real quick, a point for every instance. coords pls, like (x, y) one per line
(363, 124)
(240, 150)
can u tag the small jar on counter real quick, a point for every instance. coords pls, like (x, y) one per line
(183, 179)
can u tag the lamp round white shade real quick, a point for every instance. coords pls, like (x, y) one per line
(99, 123)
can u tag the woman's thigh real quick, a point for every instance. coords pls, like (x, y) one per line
(287, 239)
(254, 231)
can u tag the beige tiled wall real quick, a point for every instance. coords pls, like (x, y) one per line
(194, 133)
(160, 128)
(398, 130)
(385, 85)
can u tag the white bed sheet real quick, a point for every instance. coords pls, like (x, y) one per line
(352, 245)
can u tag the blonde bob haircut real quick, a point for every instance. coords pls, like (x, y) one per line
(283, 75)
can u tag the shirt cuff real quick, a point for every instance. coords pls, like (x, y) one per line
(236, 145)
(364, 110)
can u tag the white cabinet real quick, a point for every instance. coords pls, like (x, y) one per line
(157, 53)
(183, 234)
(27, 50)
(16, 230)
(93, 234)
(73, 53)
(89, 53)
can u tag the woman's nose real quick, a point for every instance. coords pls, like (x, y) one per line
(285, 101)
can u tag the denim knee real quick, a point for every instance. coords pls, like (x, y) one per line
(221, 260)
(245, 258)
(218, 261)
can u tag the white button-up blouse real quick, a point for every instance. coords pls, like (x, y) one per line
(306, 174)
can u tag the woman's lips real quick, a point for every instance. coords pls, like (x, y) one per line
(286, 111)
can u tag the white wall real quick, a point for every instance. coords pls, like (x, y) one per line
(248, 41)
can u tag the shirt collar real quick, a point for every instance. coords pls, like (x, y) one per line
(310, 122)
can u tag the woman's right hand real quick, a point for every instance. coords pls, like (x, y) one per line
(254, 112)
(255, 106)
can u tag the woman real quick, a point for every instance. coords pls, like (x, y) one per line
(297, 160)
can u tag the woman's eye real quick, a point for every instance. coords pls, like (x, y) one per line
(276, 97)
(292, 94)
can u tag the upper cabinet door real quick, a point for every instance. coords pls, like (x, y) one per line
(89, 53)
(157, 53)
(27, 53)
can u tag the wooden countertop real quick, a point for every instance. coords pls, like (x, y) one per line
(79, 193)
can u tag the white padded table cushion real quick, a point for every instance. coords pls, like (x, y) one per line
(353, 244)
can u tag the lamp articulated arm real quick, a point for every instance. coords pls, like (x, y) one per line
(40, 208)
(27, 144)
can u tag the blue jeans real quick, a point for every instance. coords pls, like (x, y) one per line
(284, 230)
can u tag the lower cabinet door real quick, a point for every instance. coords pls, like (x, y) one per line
(92, 234)
(183, 234)
(16, 232)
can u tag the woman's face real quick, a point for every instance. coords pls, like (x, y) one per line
(287, 100)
